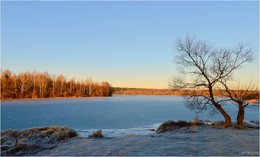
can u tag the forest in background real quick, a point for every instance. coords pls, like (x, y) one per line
(144, 91)
(254, 96)
(43, 85)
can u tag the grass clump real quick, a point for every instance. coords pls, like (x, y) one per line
(97, 134)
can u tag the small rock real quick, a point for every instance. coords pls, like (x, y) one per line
(63, 135)
(17, 149)
(251, 125)
(172, 125)
(30, 141)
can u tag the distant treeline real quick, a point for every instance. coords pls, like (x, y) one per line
(254, 97)
(144, 91)
(43, 85)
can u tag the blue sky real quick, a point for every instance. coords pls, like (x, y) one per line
(129, 44)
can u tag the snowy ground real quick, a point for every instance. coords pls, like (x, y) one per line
(195, 141)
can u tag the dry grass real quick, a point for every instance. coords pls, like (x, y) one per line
(97, 134)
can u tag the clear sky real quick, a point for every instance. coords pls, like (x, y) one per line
(129, 44)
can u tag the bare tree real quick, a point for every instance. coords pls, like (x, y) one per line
(23, 80)
(15, 86)
(71, 86)
(6, 83)
(89, 82)
(61, 80)
(206, 66)
(241, 96)
(34, 81)
(53, 79)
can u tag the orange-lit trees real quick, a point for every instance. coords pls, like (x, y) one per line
(107, 89)
(71, 85)
(24, 85)
(34, 93)
(43, 85)
(6, 84)
(53, 81)
(59, 85)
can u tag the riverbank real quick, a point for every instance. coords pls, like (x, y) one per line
(199, 141)
(192, 141)
(54, 98)
(33, 140)
(185, 138)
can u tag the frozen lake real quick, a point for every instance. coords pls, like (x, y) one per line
(117, 115)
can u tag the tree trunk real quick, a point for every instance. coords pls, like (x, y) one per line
(219, 107)
(15, 87)
(227, 121)
(70, 88)
(225, 115)
(34, 83)
(90, 89)
(22, 89)
(53, 88)
(61, 89)
(240, 116)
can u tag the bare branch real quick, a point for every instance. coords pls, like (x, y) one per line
(211, 68)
